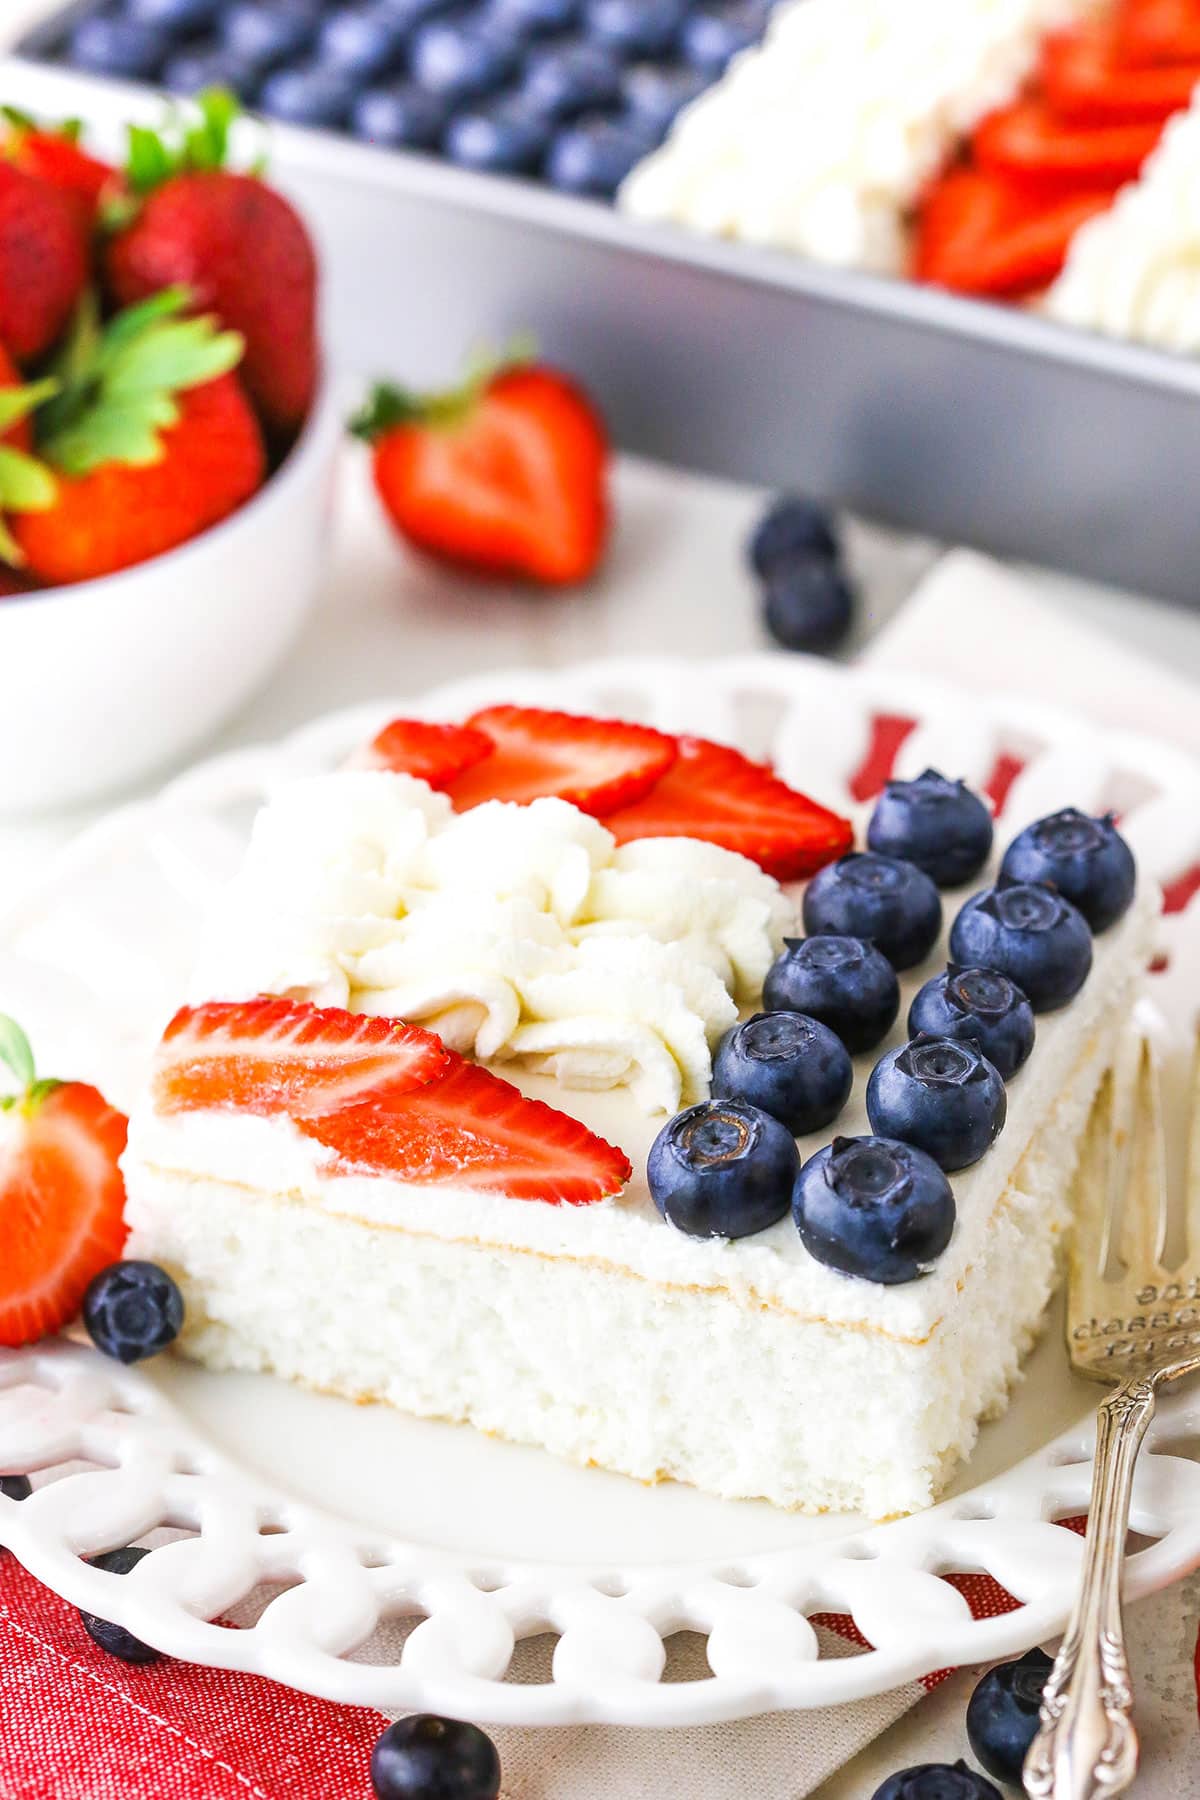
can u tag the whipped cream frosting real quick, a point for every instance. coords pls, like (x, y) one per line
(521, 934)
(1134, 271)
(820, 139)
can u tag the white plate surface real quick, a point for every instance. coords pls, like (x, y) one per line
(361, 1517)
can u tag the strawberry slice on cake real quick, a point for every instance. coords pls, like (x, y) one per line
(595, 764)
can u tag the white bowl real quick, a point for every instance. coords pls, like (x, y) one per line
(105, 680)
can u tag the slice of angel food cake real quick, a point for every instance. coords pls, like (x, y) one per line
(509, 1092)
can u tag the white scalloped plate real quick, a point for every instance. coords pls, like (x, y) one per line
(407, 1558)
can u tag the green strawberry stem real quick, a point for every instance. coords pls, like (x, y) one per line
(26, 485)
(17, 1056)
(187, 143)
(388, 406)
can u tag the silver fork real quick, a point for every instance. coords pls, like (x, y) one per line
(1139, 1327)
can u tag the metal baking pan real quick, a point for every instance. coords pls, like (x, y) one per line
(975, 423)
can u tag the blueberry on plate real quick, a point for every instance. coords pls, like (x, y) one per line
(976, 1005)
(535, 17)
(508, 137)
(15, 1487)
(1084, 858)
(792, 526)
(562, 80)
(1002, 1714)
(941, 1096)
(401, 115)
(712, 38)
(191, 71)
(878, 897)
(722, 1169)
(808, 604)
(267, 34)
(635, 27)
(658, 92)
(427, 1758)
(873, 1207)
(843, 982)
(363, 40)
(118, 47)
(791, 1066)
(1032, 935)
(940, 825)
(936, 1781)
(132, 1310)
(316, 95)
(173, 15)
(462, 58)
(114, 1638)
(594, 155)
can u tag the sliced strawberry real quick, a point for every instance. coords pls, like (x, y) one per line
(717, 794)
(271, 1056)
(1087, 82)
(433, 753)
(1030, 144)
(469, 1129)
(979, 234)
(61, 1195)
(596, 764)
(1157, 31)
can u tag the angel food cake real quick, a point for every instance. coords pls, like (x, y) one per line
(532, 1108)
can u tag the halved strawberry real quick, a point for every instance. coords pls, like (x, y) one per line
(433, 753)
(596, 764)
(470, 1129)
(1030, 144)
(717, 794)
(979, 234)
(284, 1056)
(61, 1194)
(1087, 81)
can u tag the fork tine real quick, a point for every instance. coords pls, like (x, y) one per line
(1192, 1180)
(1092, 1207)
(1144, 1209)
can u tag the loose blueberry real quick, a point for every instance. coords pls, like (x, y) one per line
(936, 1781)
(173, 15)
(562, 80)
(843, 982)
(462, 58)
(808, 604)
(873, 1207)
(132, 1310)
(508, 138)
(712, 38)
(535, 17)
(792, 1067)
(1084, 858)
(635, 27)
(319, 96)
(658, 93)
(402, 115)
(593, 156)
(944, 1097)
(722, 1169)
(15, 1487)
(1002, 1714)
(118, 47)
(1032, 935)
(792, 526)
(878, 897)
(940, 825)
(192, 71)
(265, 34)
(362, 40)
(114, 1638)
(427, 1758)
(979, 1005)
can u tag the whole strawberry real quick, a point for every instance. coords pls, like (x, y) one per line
(43, 263)
(507, 475)
(240, 248)
(150, 441)
(55, 155)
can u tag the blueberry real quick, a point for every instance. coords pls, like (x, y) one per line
(808, 604)
(940, 825)
(506, 137)
(562, 80)
(980, 1005)
(118, 47)
(462, 58)
(114, 1638)
(843, 982)
(408, 14)
(792, 526)
(635, 27)
(265, 34)
(791, 1066)
(944, 1097)
(877, 897)
(1084, 858)
(533, 17)
(936, 1781)
(427, 1758)
(132, 1309)
(593, 156)
(402, 114)
(15, 1487)
(1002, 1714)
(712, 38)
(1032, 935)
(658, 93)
(318, 96)
(872, 1207)
(722, 1169)
(362, 40)
(173, 15)
(191, 71)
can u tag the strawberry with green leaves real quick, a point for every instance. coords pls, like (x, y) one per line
(55, 154)
(148, 441)
(43, 263)
(236, 244)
